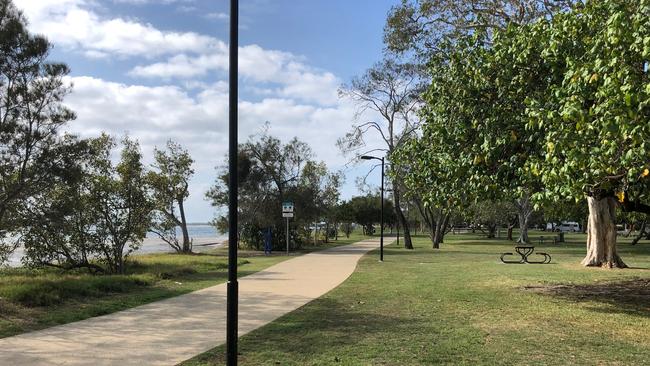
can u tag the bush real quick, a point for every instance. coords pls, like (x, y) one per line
(47, 292)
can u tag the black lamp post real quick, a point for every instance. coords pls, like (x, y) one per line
(233, 286)
(381, 239)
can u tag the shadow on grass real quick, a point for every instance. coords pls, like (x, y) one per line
(308, 331)
(629, 296)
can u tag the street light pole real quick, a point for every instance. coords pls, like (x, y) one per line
(381, 239)
(232, 286)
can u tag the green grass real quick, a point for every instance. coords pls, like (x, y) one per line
(460, 306)
(36, 299)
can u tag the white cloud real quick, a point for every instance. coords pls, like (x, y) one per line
(293, 78)
(217, 16)
(154, 114)
(142, 2)
(70, 23)
(297, 98)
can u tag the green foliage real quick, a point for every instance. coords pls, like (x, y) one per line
(419, 27)
(93, 221)
(366, 211)
(33, 151)
(595, 115)
(271, 172)
(491, 214)
(169, 183)
(119, 194)
(558, 108)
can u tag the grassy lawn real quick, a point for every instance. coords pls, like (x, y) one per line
(460, 305)
(36, 299)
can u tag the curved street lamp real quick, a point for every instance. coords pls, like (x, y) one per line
(381, 239)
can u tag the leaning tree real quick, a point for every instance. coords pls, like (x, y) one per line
(392, 91)
(169, 182)
(33, 152)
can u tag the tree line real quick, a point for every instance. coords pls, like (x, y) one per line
(64, 198)
(72, 203)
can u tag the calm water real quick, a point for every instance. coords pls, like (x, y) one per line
(204, 237)
(196, 231)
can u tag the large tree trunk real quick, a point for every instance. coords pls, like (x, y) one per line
(428, 220)
(511, 227)
(492, 231)
(524, 210)
(441, 228)
(402, 219)
(187, 245)
(601, 234)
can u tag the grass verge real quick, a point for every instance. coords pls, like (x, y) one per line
(35, 299)
(460, 306)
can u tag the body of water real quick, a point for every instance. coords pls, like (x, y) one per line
(204, 237)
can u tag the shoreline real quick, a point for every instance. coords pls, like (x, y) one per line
(149, 245)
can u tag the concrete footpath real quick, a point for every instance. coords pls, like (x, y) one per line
(173, 330)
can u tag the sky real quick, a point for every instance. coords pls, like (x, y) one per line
(158, 70)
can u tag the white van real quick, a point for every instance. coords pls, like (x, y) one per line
(568, 227)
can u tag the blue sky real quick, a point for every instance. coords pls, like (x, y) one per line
(157, 69)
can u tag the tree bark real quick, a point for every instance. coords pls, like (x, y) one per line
(492, 231)
(441, 228)
(336, 231)
(524, 210)
(327, 232)
(402, 219)
(642, 232)
(445, 224)
(601, 234)
(432, 236)
(428, 220)
(187, 245)
(510, 229)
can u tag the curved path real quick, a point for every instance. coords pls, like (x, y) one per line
(170, 331)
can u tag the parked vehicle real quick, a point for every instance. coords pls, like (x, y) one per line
(568, 227)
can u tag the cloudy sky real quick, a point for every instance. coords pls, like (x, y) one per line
(157, 69)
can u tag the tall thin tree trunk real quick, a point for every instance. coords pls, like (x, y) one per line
(187, 245)
(601, 234)
(445, 224)
(336, 231)
(402, 219)
(327, 232)
(432, 236)
(524, 210)
(511, 227)
(492, 231)
(441, 228)
(642, 232)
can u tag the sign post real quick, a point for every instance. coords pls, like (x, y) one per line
(287, 211)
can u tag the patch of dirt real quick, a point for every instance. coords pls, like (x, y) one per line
(630, 295)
